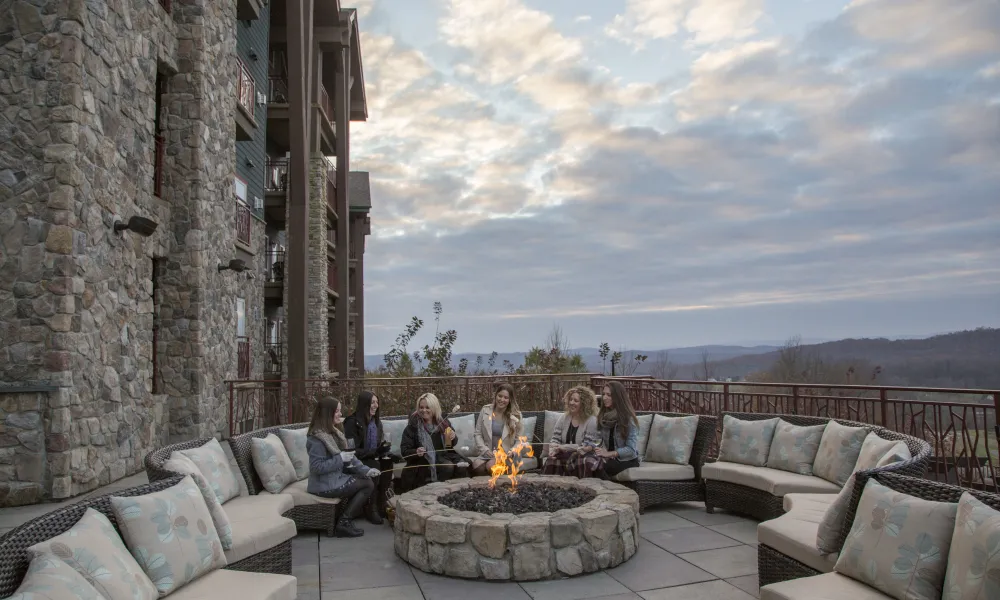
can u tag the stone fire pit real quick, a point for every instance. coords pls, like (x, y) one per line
(603, 532)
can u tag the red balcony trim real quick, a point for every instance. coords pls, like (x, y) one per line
(243, 222)
(243, 358)
(245, 90)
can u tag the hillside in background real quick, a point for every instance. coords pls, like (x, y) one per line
(964, 359)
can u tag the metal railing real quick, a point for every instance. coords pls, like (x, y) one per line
(277, 90)
(276, 175)
(275, 261)
(331, 357)
(274, 357)
(331, 275)
(331, 192)
(325, 103)
(243, 358)
(159, 153)
(246, 89)
(244, 222)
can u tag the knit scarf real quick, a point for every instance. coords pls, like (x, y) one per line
(333, 442)
(609, 419)
(425, 433)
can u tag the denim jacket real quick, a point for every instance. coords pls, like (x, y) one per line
(328, 472)
(626, 446)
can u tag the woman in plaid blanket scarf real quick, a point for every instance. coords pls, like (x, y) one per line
(574, 430)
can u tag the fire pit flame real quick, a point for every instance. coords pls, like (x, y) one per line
(509, 464)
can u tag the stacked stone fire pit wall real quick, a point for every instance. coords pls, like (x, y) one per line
(600, 534)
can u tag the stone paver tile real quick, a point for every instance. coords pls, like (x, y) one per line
(743, 531)
(585, 586)
(437, 587)
(399, 592)
(365, 574)
(709, 590)
(628, 596)
(653, 567)
(747, 583)
(662, 520)
(696, 513)
(689, 539)
(725, 562)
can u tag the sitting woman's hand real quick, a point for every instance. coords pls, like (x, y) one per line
(374, 473)
(585, 449)
(347, 456)
(421, 451)
(450, 435)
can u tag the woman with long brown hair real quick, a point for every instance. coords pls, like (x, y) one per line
(619, 433)
(334, 472)
(499, 421)
(366, 437)
(577, 427)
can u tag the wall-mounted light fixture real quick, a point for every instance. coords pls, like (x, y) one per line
(141, 225)
(250, 164)
(236, 265)
(253, 55)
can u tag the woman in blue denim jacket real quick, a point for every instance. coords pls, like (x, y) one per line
(619, 433)
(334, 472)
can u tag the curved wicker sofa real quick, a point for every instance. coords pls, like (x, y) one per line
(763, 505)
(653, 492)
(777, 572)
(275, 559)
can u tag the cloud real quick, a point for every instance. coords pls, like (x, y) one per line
(521, 176)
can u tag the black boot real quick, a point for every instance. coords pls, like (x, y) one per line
(345, 526)
(371, 511)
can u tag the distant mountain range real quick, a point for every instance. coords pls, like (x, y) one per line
(961, 359)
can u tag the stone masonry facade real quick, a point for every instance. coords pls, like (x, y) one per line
(77, 310)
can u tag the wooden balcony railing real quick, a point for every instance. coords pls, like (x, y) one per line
(159, 153)
(244, 222)
(276, 175)
(243, 358)
(246, 90)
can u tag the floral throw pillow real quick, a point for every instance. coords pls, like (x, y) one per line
(974, 559)
(872, 451)
(671, 439)
(94, 550)
(49, 578)
(170, 534)
(746, 442)
(838, 452)
(214, 465)
(178, 463)
(295, 444)
(794, 447)
(465, 430)
(897, 453)
(273, 465)
(642, 441)
(899, 544)
(392, 429)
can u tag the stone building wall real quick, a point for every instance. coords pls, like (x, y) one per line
(319, 299)
(77, 90)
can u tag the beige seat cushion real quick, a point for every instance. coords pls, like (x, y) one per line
(239, 584)
(397, 470)
(820, 501)
(258, 524)
(830, 586)
(301, 497)
(651, 471)
(794, 534)
(772, 481)
(529, 464)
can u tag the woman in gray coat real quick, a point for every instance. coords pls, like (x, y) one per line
(334, 472)
(575, 429)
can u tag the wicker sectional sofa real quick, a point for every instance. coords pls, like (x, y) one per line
(758, 491)
(807, 584)
(239, 579)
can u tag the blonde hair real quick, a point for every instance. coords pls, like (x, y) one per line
(588, 400)
(432, 403)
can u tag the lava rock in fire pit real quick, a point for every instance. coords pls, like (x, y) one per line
(529, 497)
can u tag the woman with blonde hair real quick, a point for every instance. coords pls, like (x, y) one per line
(576, 428)
(499, 421)
(427, 446)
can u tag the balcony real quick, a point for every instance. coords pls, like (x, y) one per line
(352, 308)
(275, 190)
(159, 153)
(331, 194)
(331, 243)
(243, 358)
(274, 356)
(274, 278)
(331, 279)
(278, 125)
(331, 358)
(244, 225)
(246, 94)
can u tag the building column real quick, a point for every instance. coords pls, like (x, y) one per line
(359, 302)
(342, 108)
(318, 298)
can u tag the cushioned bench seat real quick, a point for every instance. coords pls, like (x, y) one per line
(794, 533)
(772, 481)
(301, 497)
(257, 524)
(237, 584)
(651, 471)
(829, 586)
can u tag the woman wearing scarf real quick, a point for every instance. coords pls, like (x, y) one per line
(576, 428)
(619, 433)
(427, 446)
(499, 421)
(334, 472)
(364, 429)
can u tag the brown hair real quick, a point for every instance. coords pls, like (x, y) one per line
(620, 403)
(323, 416)
(588, 400)
(512, 409)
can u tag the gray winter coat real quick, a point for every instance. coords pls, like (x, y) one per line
(327, 472)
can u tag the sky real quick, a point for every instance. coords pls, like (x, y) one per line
(665, 173)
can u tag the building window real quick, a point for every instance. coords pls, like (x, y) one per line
(242, 341)
(243, 219)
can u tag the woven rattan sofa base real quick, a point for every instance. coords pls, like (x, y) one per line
(316, 517)
(653, 493)
(743, 500)
(774, 567)
(276, 560)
